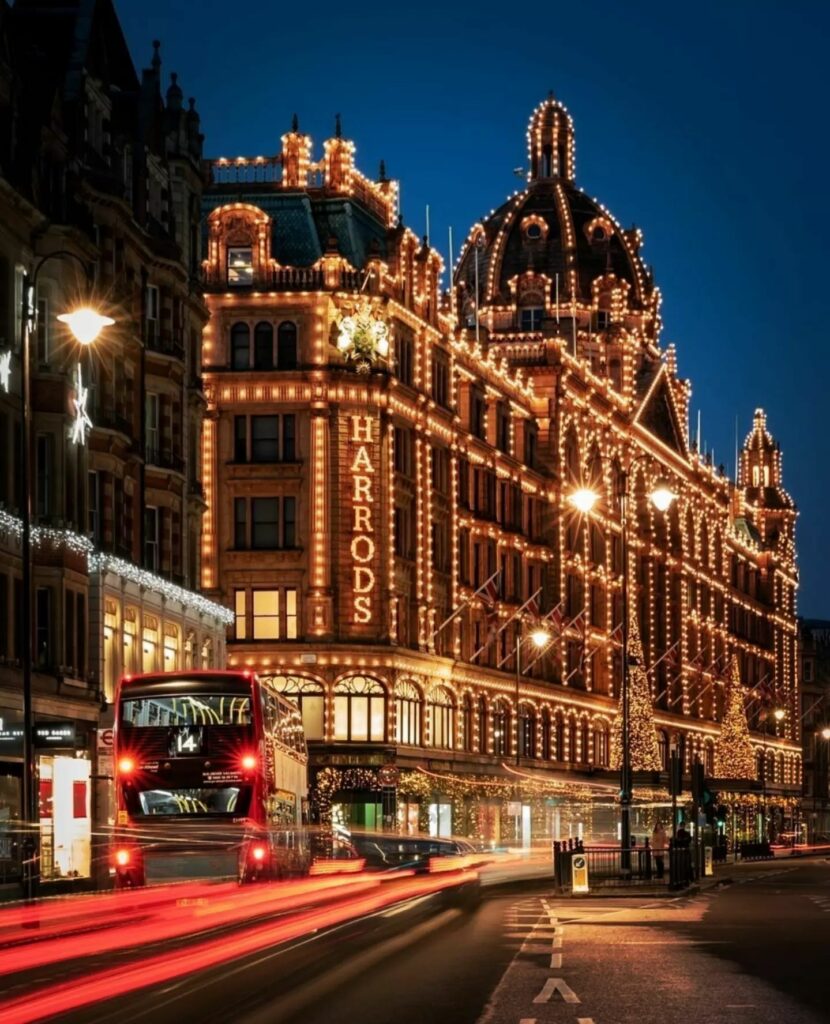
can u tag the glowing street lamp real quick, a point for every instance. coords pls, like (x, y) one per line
(584, 499)
(86, 324)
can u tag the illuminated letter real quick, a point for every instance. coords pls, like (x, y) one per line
(362, 610)
(362, 428)
(362, 519)
(362, 492)
(362, 461)
(365, 555)
(364, 580)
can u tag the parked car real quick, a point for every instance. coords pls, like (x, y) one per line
(385, 852)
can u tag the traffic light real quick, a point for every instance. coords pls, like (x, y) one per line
(721, 813)
(675, 775)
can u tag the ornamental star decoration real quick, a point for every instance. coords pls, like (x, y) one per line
(82, 423)
(5, 369)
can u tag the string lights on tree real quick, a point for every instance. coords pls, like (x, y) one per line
(645, 753)
(734, 756)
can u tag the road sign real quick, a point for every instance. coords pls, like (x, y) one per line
(708, 869)
(514, 808)
(104, 749)
(579, 873)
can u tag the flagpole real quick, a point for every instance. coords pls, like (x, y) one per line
(464, 603)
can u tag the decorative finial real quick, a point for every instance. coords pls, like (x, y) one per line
(156, 62)
(382, 171)
(295, 124)
(338, 129)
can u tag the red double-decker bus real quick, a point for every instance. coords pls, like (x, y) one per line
(211, 779)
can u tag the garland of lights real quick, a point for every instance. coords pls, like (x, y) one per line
(363, 338)
(734, 756)
(102, 562)
(99, 561)
(642, 736)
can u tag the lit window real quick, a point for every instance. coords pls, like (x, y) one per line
(291, 614)
(240, 266)
(359, 710)
(266, 615)
(240, 612)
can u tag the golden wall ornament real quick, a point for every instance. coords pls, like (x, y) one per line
(363, 338)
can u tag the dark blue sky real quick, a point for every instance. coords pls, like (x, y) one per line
(705, 124)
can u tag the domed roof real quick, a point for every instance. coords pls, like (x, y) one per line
(552, 229)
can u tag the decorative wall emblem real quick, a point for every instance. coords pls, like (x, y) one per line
(363, 338)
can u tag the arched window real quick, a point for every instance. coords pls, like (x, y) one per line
(559, 754)
(501, 727)
(709, 758)
(572, 741)
(482, 725)
(442, 718)
(360, 710)
(408, 714)
(240, 347)
(601, 752)
(287, 346)
(583, 742)
(467, 722)
(309, 697)
(527, 731)
(546, 735)
(263, 346)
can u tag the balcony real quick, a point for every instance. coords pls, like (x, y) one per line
(162, 342)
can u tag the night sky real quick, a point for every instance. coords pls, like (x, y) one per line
(705, 124)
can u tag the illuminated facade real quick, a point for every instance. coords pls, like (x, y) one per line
(375, 452)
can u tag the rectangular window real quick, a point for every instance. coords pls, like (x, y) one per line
(80, 644)
(69, 629)
(45, 473)
(43, 334)
(264, 523)
(266, 608)
(289, 522)
(152, 312)
(403, 358)
(440, 378)
(240, 439)
(532, 318)
(240, 266)
(291, 631)
(265, 438)
(93, 506)
(151, 539)
(43, 627)
(289, 448)
(240, 523)
(531, 443)
(503, 429)
(478, 414)
(151, 426)
(240, 610)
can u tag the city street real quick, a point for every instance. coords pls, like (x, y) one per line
(747, 951)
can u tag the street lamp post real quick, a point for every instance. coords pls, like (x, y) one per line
(540, 638)
(778, 714)
(584, 499)
(85, 324)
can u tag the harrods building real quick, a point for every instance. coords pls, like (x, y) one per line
(376, 450)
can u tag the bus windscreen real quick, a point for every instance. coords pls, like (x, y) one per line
(192, 710)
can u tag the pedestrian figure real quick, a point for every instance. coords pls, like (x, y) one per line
(659, 842)
(683, 838)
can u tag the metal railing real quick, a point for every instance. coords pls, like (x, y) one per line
(614, 867)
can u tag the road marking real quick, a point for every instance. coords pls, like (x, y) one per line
(527, 1020)
(557, 942)
(556, 960)
(584, 1020)
(554, 985)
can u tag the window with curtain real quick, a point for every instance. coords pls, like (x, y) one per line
(408, 713)
(360, 710)
(442, 718)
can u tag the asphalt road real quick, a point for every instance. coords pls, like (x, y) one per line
(752, 952)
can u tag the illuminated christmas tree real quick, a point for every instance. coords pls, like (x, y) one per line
(734, 757)
(645, 753)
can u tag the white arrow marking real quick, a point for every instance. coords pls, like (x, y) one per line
(554, 985)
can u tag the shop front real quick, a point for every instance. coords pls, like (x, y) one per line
(64, 770)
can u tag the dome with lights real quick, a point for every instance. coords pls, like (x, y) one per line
(551, 244)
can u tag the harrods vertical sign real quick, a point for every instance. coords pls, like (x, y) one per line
(361, 535)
